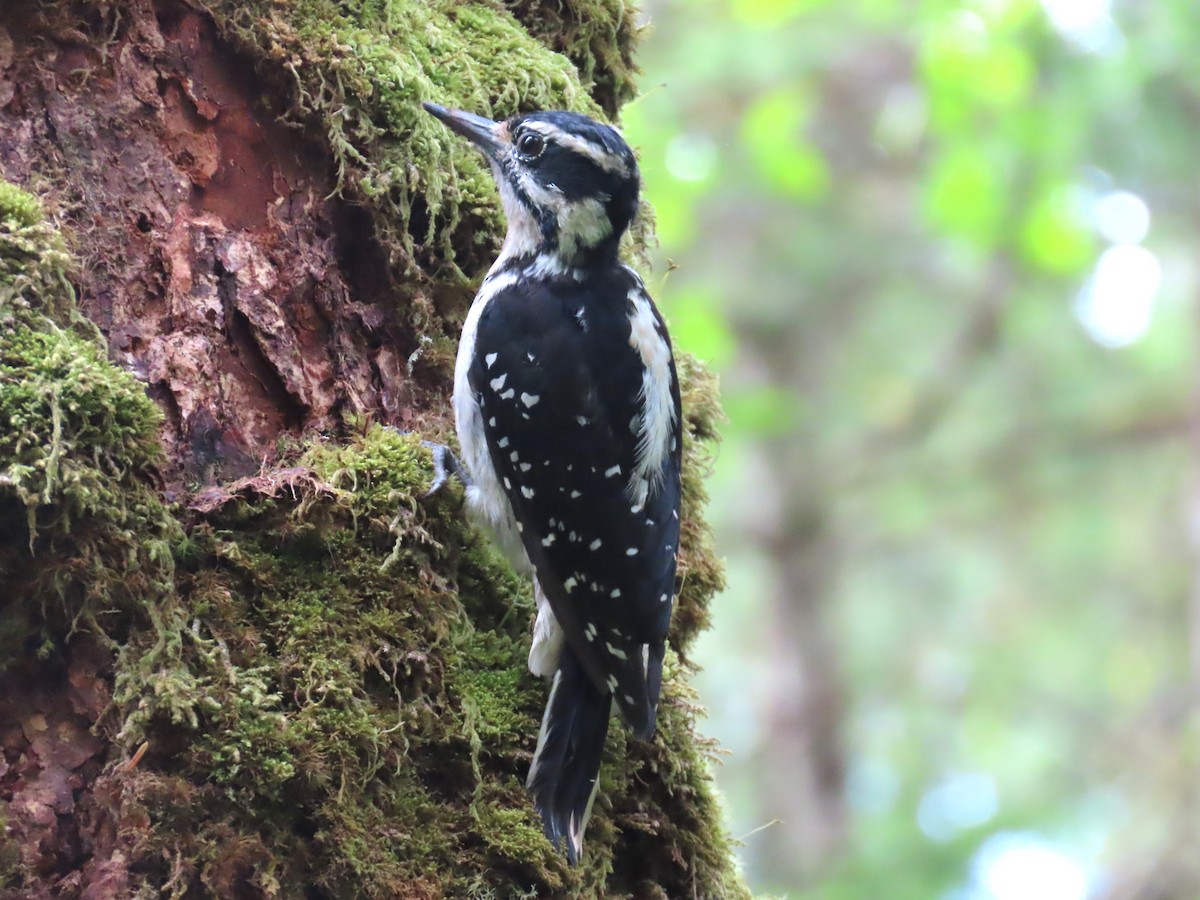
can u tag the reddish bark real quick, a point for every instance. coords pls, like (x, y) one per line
(215, 259)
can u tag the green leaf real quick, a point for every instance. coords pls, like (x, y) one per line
(969, 71)
(773, 135)
(1055, 236)
(964, 195)
(699, 325)
(762, 411)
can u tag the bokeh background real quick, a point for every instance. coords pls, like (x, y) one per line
(944, 255)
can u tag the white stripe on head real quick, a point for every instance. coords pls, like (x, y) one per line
(580, 223)
(523, 236)
(596, 152)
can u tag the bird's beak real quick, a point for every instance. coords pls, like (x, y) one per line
(478, 130)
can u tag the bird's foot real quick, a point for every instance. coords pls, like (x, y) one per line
(445, 464)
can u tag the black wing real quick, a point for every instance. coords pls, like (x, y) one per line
(559, 387)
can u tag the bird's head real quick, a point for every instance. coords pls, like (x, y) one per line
(569, 184)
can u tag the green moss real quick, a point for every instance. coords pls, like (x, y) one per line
(598, 37)
(11, 871)
(337, 688)
(496, 696)
(359, 69)
(33, 261)
(701, 572)
(691, 820)
(17, 208)
(78, 445)
(349, 721)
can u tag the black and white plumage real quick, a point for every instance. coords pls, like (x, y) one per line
(568, 416)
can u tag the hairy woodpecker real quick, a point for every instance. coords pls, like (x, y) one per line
(567, 410)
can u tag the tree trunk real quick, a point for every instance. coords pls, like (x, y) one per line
(241, 655)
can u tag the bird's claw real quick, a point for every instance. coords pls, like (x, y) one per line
(445, 464)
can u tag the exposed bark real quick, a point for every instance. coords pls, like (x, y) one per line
(220, 267)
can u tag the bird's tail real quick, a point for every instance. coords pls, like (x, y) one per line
(566, 764)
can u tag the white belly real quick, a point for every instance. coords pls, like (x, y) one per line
(486, 502)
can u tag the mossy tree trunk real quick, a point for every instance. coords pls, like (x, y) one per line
(240, 655)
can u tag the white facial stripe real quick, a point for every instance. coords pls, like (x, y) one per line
(609, 162)
(523, 236)
(582, 223)
(542, 196)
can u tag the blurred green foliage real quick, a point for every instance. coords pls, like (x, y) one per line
(888, 223)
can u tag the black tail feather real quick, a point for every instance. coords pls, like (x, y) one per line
(566, 764)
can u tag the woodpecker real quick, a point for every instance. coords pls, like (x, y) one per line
(567, 409)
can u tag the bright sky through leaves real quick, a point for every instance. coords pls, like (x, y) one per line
(1122, 217)
(1115, 305)
(1088, 24)
(961, 802)
(1022, 866)
(909, 233)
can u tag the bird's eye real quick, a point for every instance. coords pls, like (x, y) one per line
(531, 145)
